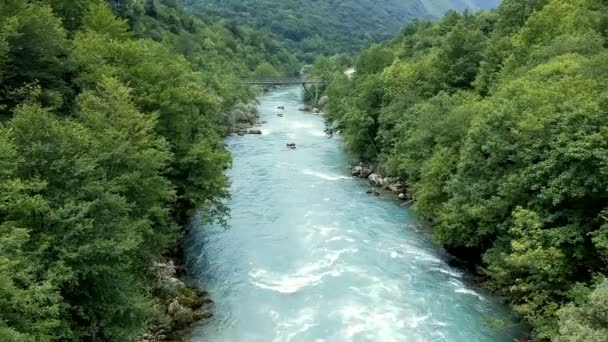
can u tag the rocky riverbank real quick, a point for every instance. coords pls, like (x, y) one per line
(243, 119)
(309, 109)
(180, 304)
(380, 183)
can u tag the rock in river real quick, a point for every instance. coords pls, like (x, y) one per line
(373, 191)
(376, 180)
(361, 171)
(254, 131)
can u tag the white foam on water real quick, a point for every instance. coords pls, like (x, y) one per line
(311, 274)
(325, 231)
(377, 288)
(341, 238)
(301, 125)
(288, 329)
(421, 255)
(461, 288)
(316, 133)
(469, 292)
(416, 321)
(438, 336)
(325, 176)
(284, 284)
(451, 273)
(382, 323)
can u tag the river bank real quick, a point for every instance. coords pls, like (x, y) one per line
(180, 302)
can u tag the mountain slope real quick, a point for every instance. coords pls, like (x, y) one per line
(329, 26)
(439, 7)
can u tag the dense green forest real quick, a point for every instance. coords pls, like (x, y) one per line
(498, 124)
(112, 115)
(329, 26)
(112, 119)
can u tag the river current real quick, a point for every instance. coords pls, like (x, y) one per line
(310, 256)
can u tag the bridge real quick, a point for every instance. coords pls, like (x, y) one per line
(284, 81)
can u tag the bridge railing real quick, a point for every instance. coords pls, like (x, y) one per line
(283, 81)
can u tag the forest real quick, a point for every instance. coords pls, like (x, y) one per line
(112, 119)
(113, 113)
(329, 26)
(497, 123)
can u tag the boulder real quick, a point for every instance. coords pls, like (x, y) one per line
(174, 307)
(323, 101)
(254, 131)
(165, 270)
(402, 196)
(366, 172)
(376, 180)
(316, 110)
(395, 187)
(361, 171)
(202, 314)
(373, 191)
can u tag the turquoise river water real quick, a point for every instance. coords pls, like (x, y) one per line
(309, 256)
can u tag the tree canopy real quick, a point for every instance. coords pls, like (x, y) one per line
(110, 139)
(329, 27)
(497, 124)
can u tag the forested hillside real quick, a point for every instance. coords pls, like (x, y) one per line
(329, 26)
(498, 124)
(110, 139)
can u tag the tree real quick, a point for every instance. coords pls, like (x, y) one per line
(37, 45)
(587, 320)
(265, 70)
(98, 18)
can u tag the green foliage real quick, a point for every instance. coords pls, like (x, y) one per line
(588, 320)
(34, 53)
(496, 122)
(99, 18)
(265, 70)
(209, 44)
(328, 27)
(108, 143)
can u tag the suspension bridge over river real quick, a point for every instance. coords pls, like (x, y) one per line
(284, 81)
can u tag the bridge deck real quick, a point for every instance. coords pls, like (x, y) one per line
(283, 81)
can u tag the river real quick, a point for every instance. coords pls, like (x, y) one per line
(309, 256)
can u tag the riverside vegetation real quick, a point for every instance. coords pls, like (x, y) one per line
(110, 139)
(112, 117)
(497, 124)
